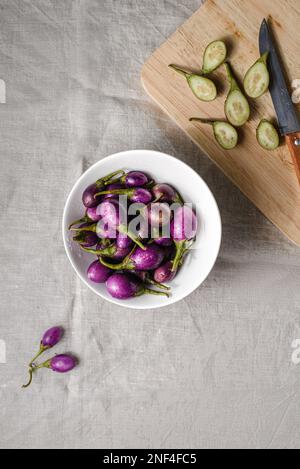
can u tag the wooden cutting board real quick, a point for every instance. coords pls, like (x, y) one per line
(266, 178)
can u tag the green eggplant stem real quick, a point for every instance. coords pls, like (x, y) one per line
(108, 179)
(108, 251)
(155, 292)
(32, 368)
(204, 121)
(91, 251)
(231, 78)
(86, 228)
(180, 249)
(157, 284)
(125, 264)
(30, 371)
(116, 192)
(42, 349)
(136, 240)
(228, 70)
(179, 70)
(156, 200)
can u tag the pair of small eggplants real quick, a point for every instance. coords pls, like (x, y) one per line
(59, 363)
(237, 109)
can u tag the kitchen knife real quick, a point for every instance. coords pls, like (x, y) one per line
(288, 121)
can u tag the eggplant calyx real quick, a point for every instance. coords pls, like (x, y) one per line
(264, 57)
(149, 184)
(153, 292)
(204, 121)
(233, 83)
(108, 251)
(42, 349)
(182, 247)
(80, 237)
(156, 200)
(126, 264)
(129, 192)
(157, 284)
(84, 219)
(92, 228)
(180, 70)
(46, 364)
(109, 177)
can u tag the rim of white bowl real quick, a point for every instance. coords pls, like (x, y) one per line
(126, 303)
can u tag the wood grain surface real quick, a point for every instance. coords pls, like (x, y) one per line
(267, 178)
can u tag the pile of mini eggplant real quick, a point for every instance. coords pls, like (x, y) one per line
(134, 262)
(236, 106)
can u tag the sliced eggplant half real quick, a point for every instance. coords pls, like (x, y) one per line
(225, 134)
(237, 109)
(202, 87)
(267, 136)
(257, 79)
(214, 55)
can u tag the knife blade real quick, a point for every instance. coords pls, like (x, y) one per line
(288, 120)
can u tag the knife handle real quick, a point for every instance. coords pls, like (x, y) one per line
(293, 143)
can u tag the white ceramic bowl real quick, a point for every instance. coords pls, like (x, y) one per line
(163, 168)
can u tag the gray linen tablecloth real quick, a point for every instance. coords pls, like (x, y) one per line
(214, 370)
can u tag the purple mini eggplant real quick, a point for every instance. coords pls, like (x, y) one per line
(51, 337)
(89, 197)
(123, 241)
(146, 277)
(137, 195)
(92, 214)
(147, 259)
(166, 193)
(98, 273)
(134, 179)
(164, 273)
(161, 236)
(123, 286)
(111, 211)
(86, 238)
(140, 259)
(106, 231)
(163, 241)
(60, 363)
(157, 214)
